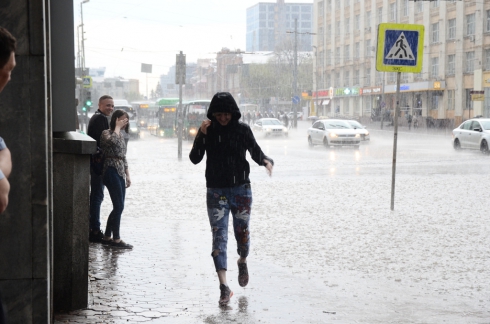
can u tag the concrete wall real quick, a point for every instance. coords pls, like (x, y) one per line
(25, 124)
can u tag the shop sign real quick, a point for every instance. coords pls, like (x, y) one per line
(346, 92)
(369, 91)
(477, 95)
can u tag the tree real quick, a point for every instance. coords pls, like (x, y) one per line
(158, 91)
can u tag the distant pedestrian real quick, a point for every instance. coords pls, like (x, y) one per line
(115, 176)
(286, 120)
(98, 123)
(409, 121)
(248, 117)
(8, 45)
(226, 141)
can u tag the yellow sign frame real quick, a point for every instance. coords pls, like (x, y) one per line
(381, 66)
(87, 77)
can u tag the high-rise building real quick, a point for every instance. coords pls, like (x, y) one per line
(271, 26)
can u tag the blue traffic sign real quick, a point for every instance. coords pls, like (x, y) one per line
(295, 100)
(400, 48)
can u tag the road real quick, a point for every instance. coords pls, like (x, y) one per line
(326, 248)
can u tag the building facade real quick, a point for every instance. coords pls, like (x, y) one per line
(456, 60)
(270, 26)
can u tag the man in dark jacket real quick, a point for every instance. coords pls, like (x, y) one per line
(226, 141)
(98, 123)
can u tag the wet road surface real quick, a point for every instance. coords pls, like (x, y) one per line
(326, 248)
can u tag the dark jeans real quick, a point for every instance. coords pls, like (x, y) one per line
(96, 198)
(117, 190)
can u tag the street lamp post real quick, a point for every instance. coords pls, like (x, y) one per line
(316, 80)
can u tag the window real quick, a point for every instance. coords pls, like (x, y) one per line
(295, 9)
(328, 80)
(434, 67)
(368, 76)
(435, 32)
(337, 28)
(337, 4)
(450, 99)
(467, 99)
(329, 57)
(320, 36)
(346, 3)
(347, 25)
(337, 55)
(357, 23)
(451, 33)
(405, 8)
(356, 78)
(379, 17)
(451, 64)
(357, 50)
(486, 59)
(434, 103)
(470, 58)
(346, 78)
(391, 77)
(488, 21)
(392, 12)
(346, 53)
(368, 19)
(434, 3)
(337, 78)
(320, 8)
(368, 48)
(379, 78)
(470, 24)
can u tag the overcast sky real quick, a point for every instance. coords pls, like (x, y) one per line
(122, 34)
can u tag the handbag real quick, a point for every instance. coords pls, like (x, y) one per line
(97, 161)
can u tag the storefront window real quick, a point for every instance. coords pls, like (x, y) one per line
(450, 99)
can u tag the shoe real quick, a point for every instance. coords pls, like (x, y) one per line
(121, 245)
(225, 296)
(106, 242)
(242, 274)
(95, 237)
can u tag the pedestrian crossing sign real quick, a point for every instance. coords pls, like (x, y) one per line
(400, 48)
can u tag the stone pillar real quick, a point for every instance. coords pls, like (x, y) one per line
(71, 169)
(25, 124)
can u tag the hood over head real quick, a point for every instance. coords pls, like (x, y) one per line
(225, 103)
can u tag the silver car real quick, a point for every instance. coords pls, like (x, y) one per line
(473, 134)
(270, 127)
(333, 132)
(360, 129)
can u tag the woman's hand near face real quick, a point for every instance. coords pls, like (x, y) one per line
(121, 123)
(204, 126)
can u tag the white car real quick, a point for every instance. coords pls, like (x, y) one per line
(333, 132)
(473, 134)
(360, 129)
(270, 127)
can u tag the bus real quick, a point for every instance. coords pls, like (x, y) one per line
(123, 104)
(194, 113)
(167, 117)
(145, 112)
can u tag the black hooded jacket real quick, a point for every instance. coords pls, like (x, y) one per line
(226, 146)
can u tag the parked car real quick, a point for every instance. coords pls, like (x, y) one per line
(333, 132)
(360, 129)
(473, 134)
(270, 127)
(134, 130)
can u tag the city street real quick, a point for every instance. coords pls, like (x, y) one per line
(325, 246)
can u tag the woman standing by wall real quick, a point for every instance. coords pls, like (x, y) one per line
(116, 176)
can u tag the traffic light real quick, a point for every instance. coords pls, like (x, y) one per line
(87, 104)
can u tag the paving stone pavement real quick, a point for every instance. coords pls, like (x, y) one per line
(325, 246)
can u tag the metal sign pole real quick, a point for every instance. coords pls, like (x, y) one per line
(395, 140)
(180, 79)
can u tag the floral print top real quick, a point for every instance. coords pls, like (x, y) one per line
(114, 149)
